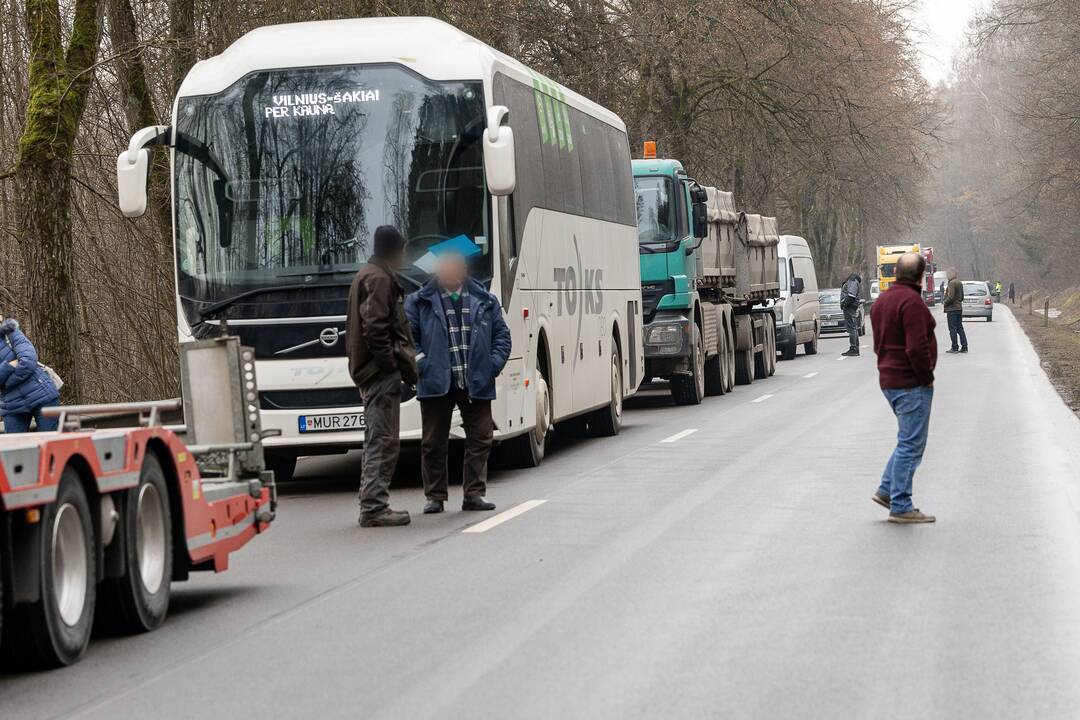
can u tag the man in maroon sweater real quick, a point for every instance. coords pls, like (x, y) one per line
(907, 353)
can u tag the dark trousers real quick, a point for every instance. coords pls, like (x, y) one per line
(382, 441)
(851, 322)
(436, 415)
(956, 328)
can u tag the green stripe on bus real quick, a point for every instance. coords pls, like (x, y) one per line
(541, 117)
(553, 121)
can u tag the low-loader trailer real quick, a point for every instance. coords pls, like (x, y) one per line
(98, 521)
(707, 274)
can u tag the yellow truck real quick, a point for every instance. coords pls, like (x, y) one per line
(886, 263)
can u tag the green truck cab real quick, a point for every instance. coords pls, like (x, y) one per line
(706, 327)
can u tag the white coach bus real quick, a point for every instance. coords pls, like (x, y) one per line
(294, 144)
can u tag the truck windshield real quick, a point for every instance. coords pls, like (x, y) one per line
(292, 170)
(655, 209)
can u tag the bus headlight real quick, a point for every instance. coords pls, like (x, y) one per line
(664, 335)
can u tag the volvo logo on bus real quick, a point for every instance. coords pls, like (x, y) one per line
(329, 336)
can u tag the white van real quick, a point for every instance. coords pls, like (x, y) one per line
(798, 309)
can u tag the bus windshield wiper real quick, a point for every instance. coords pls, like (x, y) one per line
(214, 309)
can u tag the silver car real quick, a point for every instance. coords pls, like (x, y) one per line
(977, 300)
(832, 316)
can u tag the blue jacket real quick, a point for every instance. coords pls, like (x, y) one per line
(489, 342)
(25, 387)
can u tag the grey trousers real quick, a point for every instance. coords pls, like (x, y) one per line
(382, 442)
(851, 323)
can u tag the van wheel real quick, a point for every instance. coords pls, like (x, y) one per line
(607, 421)
(528, 450)
(141, 596)
(689, 389)
(61, 620)
(744, 367)
(811, 347)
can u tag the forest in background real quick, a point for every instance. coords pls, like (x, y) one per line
(1004, 201)
(811, 110)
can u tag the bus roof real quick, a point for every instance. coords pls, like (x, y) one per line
(432, 48)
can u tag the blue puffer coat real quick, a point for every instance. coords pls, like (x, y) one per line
(25, 387)
(489, 341)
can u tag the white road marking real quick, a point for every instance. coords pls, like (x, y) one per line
(763, 398)
(864, 346)
(842, 357)
(809, 375)
(504, 516)
(679, 435)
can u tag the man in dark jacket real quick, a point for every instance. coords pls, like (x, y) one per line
(907, 354)
(954, 312)
(463, 344)
(25, 387)
(850, 299)
(381, 357)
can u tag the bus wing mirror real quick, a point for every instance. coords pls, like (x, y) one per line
(132, 169)
(500, 167)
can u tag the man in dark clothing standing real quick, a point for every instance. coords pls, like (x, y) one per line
(381, 357)
(850, 299)
(1012, 294)
(463, 344)
(954, 311)
(907, 354)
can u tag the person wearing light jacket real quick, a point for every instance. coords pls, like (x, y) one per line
(25, 387)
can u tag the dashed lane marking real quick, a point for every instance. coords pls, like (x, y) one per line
(809, 375)
(504, 516)
(842, 357)
(679, 435)
(763, 398)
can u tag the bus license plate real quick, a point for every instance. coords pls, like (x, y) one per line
(327, 423)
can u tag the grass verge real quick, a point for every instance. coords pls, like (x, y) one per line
(1058, 346)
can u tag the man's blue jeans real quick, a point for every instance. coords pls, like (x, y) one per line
(912, 409)
(956, 329)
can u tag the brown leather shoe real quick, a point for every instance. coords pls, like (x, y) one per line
(882, 500)
(911, 517)
(387, 518)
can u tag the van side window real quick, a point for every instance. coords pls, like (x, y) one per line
(803, 267)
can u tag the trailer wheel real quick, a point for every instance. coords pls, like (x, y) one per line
(716, 367)
(761, 361)
(689, 388)
(729, 360)
(770, 345)
(61, 620)
(141, 595)
(744, 367)
(607, 421)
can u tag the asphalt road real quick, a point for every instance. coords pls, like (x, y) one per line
(738, 570)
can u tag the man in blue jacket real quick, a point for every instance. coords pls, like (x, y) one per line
(462, 344)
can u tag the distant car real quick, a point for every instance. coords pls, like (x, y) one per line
(977, 300)
(832, 316)
(875, 290)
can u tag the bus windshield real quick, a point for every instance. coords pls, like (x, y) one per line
(655, 209)
(281, 179)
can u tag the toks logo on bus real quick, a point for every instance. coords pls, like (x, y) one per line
(588, 291)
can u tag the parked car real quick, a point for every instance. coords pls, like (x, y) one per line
(797, 310)
(977, 300)
(832, 315)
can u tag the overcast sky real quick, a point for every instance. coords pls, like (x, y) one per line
(942, 24)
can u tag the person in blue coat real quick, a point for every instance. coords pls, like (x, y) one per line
(25, 387)
(462, 344)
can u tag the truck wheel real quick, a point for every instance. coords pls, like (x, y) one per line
(607, 421)
(761, 365)
(811, 347)
(744, 367)
(528, 450)
(787, 352)
(141, 595)
(282, 463)
(689, 389)
(770, 346)
(716, 368)
(61, 620)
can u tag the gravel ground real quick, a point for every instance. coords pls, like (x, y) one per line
(1058, 346)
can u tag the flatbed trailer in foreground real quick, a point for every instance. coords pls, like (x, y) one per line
(98, 522)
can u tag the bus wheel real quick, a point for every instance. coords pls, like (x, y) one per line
(62, 618)
(141, 596)
(528, 450)
(689, 388)
(282, 463)
(607, 421)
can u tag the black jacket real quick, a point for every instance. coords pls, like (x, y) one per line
(377, 335)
